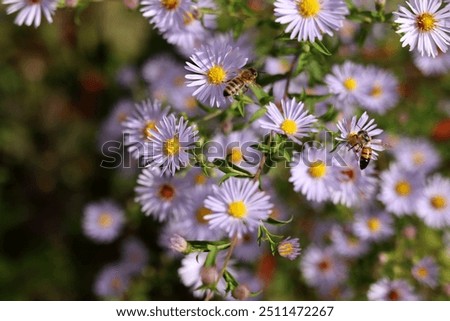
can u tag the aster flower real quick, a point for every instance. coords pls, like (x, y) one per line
(417, 155)
(426, 271)
(424, 26)
(308, 20)
(162, 196)
(313, 175)
(103, 221)
(347, 243)
(400, 190)
(237, 207)
(381, 91)
(247, 248)
(293, 121)
(432, 66)
(395, 290)
(348, 84)
(433, 206)
(236, 147)
(373, 226)
(31, 11)
(139, 127)
(355, 186)
(166, 14)
(212, 66)
(322, 267)
(289, 248)
(170, 144)
(133, 255)
(112, 282)
(349, 133)
(111, 128)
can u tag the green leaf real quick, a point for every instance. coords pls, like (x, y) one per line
(211, 257)
(273, 221)
(320, 47)
(258, 114)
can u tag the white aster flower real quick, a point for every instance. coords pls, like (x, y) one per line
(433, 205)
(425, 26)
(166, 14)
(31, 11)
(237, 207)
(308, 20)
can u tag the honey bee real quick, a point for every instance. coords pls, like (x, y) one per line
(241, 82)
(361, 142)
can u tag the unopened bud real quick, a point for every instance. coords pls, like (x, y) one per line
(178, 244)
(209, 275)
(379, 4)
(410, 232)
(241, 292)
(131, 4)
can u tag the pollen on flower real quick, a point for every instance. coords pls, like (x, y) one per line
(236, 155)
(317, 169)
(201, 213)
(105, 220)
(166, 192)
(425, 22)
(376, 91)
(188, 18)
(170, 4)
(237, 209)
(403, 188)
(289, 126)
(422, 272)
(200, 179)
(374, 224)
(309, 8)
(149, 127)
(350, 84)
(172, 146)
(438, 202)
(216, 75)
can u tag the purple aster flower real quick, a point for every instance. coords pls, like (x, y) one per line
(163, 196)
(237, 207)
(387, 290)
(424, 26)
(31, 11)
(432, 66)
(346, 243)
(433, 205)
(293, 121)
(139, 127)
(211, 67)
(308, 20)
(103, 221)
(133, 255)
(289, 248)
(169, 147)
(322, 267)
(112, 282)
(166, 14)
(417, 155)
(400, 190)
(373, 225)
(247, 248)
(313, 174)
(426, 271)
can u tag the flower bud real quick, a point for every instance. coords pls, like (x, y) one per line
(209, 275)
(241, 292)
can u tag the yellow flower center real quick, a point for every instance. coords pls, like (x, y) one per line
(149, 127)
(236, 155)
(188, 18)
(190, 103)
(438, 202)
(422, 272)
(418, 158)
(308, 8)
(374, 224)
(317, 169)
(105, 220)
(425, 22)
(289, 126)
(170, 4)
(172, 146)
(350, 84)
(200, 179)
(403, 188)
(377, 91)
(237, 209)
(166, 192)
(285, 249)
(201, 213)
(216, 75)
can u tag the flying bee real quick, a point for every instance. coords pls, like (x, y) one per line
(361, 142)
(240, 83)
